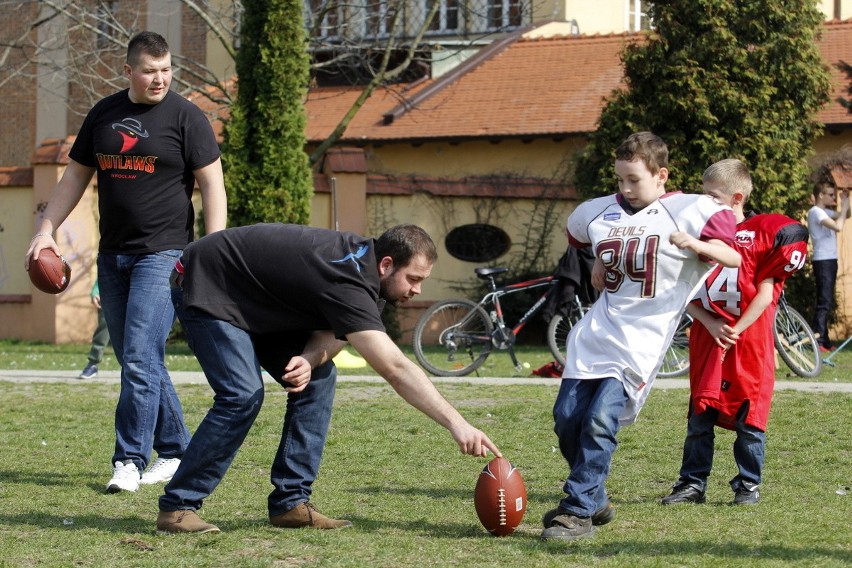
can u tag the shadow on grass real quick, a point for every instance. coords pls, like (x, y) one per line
(40, 478)
(123, 525)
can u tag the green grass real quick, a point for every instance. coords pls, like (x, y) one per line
(400, 478)
(41, 356)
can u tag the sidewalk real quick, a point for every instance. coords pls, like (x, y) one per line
(186, 377)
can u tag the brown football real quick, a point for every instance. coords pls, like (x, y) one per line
(500, 497)
(50, 273)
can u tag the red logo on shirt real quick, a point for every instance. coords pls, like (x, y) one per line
(131, 132)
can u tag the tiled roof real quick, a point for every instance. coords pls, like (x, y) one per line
(836, 46)
(524, 88)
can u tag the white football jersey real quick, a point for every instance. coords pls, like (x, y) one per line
(649, 281)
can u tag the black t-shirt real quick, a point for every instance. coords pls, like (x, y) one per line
(273, 277)
(145, 156)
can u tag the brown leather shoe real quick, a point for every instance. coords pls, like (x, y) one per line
(306, 515)
(185, 521)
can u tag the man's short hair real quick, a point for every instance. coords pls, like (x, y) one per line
(403, 242)
(647, 147)
(150, 43)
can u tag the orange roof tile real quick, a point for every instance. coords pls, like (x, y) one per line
(527, 88)
(517, 88)
(836, 46)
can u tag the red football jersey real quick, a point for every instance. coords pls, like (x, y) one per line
(741, 384)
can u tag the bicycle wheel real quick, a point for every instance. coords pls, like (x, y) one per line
(453, 338)
(796, 342)
(557, 333)
(676, 359)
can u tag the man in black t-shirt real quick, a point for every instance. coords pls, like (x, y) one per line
(287, 298)
(148, 147)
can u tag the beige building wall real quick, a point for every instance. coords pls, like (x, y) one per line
(537, 158)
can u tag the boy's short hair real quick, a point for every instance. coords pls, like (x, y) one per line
(150, 43)
(647, 147)
(821, 186)
(733, 174)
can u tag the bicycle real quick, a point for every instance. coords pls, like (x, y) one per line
(453, 338)
(795, 341)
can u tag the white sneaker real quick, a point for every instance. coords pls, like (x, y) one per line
(125, 477)
(160, 471)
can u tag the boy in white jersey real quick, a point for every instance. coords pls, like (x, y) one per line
(653, 250)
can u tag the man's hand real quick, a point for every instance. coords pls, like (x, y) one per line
(40, 242)
(297, 373)
(473, 442)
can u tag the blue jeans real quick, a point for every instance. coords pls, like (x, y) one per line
(227, 356)
(586, 421)
(749, 451)
(137, 305)
(825, 273)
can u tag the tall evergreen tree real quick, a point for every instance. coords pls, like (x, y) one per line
(266, 167)
(721, 79)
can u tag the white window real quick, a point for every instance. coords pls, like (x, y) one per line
(447, 18)
(502, 14)
(323, 17)
(636, 12)
(379, 18)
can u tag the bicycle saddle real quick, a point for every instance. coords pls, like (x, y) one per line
(486, 272)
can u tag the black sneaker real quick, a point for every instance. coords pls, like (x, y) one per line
(743, 496)
(90, 372)
(568, 527)
(684, 494)
(602, 516)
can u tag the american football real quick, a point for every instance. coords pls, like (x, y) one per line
(500, 497)
(50, 273)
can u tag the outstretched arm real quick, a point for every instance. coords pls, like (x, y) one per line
(412, 384)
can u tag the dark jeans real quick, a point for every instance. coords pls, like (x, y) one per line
(825, 272)
(749, 451)
(227, 356)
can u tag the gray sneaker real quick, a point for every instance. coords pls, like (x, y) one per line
(684, 494)
(568, 527)
(743, 496)
(89, 372)
(604, 515)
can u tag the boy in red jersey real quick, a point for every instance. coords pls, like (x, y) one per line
(731, 351)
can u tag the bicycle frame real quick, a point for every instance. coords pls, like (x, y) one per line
(493, 298)
(455, 336)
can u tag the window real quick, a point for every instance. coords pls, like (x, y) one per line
(637, 15)
(447, 18)
(322, 18)
(504, 13)
(106, 25)
(477, 242)
(379, 18)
